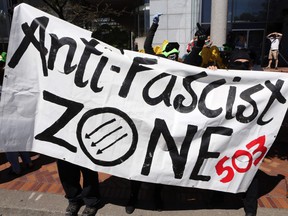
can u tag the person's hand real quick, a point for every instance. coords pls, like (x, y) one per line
(212, 67)
(156, 18)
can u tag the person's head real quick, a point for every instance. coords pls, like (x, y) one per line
(201, 35)
(3, 57)
(171, 50)
(239, 60)
(2, 65)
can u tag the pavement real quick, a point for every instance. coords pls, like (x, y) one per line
(38, 191)
(279, 69)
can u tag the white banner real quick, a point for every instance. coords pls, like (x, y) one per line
(134, 115)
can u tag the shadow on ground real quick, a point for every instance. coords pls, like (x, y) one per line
(38, 161)
(280, 146)
(116, 191)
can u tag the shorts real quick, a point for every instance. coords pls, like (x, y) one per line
(273, 54)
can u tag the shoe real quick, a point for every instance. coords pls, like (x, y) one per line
(29, 166)
(276, 68)
(130, 207)
(89, 211)
(73, 209)
(159, 205)
(14, 174)
(268, 67)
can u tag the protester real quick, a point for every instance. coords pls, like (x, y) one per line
(193, 58)
(191, 44)
(275, 39)
(135, 187)
(208, 42)
(13, 159)
(211, 57)
(241, 60)
(170, 50)
(77, 195)
(2, 65)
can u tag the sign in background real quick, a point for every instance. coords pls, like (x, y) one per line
(133, 115)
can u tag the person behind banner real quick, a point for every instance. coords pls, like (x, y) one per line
(170, 50)
(13, 157)
(241, 60)
(194, 56)
(77, 195)
(2, 65)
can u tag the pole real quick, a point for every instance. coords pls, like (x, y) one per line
(219, 11)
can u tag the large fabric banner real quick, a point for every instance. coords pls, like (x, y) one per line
(134, 115)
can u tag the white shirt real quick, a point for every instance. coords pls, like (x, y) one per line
(274, 43)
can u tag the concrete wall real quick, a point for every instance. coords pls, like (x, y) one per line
(178, 22)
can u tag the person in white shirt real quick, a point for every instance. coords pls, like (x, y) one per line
(274, 38)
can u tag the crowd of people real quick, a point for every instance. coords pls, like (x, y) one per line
(200, 52)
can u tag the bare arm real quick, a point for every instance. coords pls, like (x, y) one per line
(277, 34)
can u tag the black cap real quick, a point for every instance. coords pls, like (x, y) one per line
(170, 46)
(239, 54)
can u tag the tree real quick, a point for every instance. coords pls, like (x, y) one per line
(57, 6)
(95, 15)
(79, 12)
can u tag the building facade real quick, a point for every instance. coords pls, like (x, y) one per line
(247, 23)
(5, 22)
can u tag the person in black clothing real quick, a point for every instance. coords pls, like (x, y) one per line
(77, 196)
(193, 58)
(240, 59)
(170, 50)
(2, 65)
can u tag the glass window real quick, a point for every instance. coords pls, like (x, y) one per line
(206, 11)
(239, 10)
(249, 10)
(4, 22)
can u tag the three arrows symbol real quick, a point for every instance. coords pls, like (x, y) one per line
(87, 136)
(100, 151)
(95, 143)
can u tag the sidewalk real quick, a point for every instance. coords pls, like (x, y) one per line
(39, 192)
(280, 69)
(21, 203)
